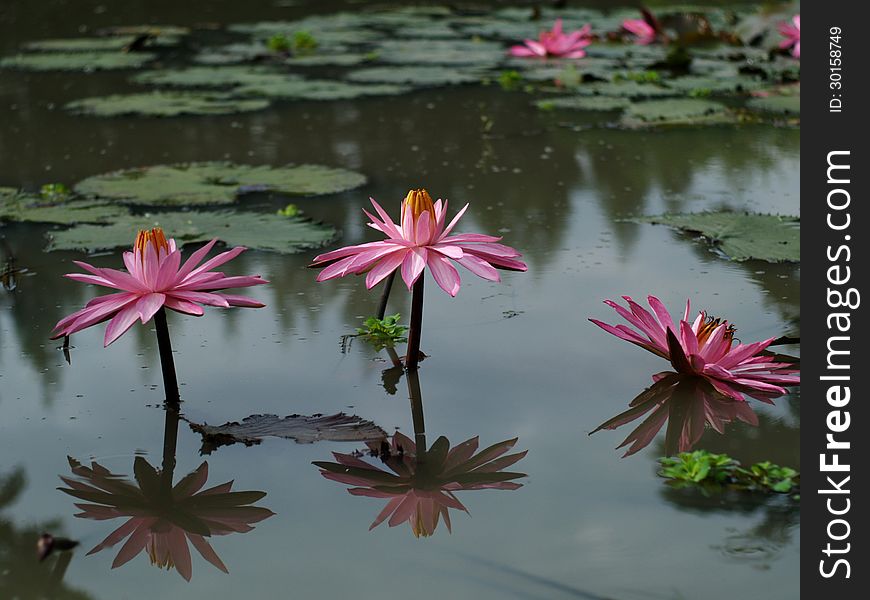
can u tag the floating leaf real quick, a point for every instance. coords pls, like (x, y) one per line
(318, 89)
(605, 103)
(259, 231)
(677, 111)
(300, 428)
(23, 207)
(741, 236)
(77, 61)
(440, 52)
(419, 76)
(623, 89)
(99, 44)
(216, 77)
(165, 104)
(787, 105)
(214, 183)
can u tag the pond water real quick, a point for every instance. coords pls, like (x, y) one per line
(514, 359)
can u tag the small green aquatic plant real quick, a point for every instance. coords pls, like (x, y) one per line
(304, 41)
(291, 210)
(55, 192)
(279, 43)
(710, 471)
(383, 333)
(299, 42)
(510, 80)
(638, 76)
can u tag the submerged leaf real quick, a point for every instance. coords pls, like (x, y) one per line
(215, 183)
(258, 231)
(300, 428)
(741, 236)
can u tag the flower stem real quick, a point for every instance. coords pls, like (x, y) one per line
(385, 295)
(164, 346)
(413, 357)
(170, 444)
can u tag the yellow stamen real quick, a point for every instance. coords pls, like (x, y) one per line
(417, 525)
(155, 237)
(418, 202)
(709, 326)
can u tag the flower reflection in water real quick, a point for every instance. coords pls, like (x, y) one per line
(162, 518)
(420, 485)
(688, 404)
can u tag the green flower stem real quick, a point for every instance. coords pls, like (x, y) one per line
(385, 295)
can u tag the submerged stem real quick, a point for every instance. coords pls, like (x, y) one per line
(385, 295)
(413, 357)
(167, 364)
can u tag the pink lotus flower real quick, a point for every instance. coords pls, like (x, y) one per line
(421, 489)
(156, 278)
(688, 404)
(792, 33)
(704, 348)
(162, 518)
(645, 33)
(556, 43)
(421, 240)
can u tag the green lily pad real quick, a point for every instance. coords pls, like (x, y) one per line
(787, 105)
(214, 183)
(329, 59)
(77, 61)
(418, 76)
(440, 52)
(317, 89)
(22, 207)
(623, 89)
(600, 103)
(97, 44)
(716, 85)
(741, 236)
(213, 77)
(676, 111)
(259, 231)
(165, 104)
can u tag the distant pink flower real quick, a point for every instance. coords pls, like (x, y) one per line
(161, 518)
(421, 489)
(704, 348)
(644, 32)
(556, 43)
(421, 240)
(688, 404)
(792, 33)
(156, 278)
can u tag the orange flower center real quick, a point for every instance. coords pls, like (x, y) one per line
(418, 202)
(709, 326)
(154, 237)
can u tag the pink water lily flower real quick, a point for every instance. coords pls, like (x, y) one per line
(420, 489)
(556, 43)
(705, 347)
(422, 239)
(156, 278)
(792, 33)
(645, 33)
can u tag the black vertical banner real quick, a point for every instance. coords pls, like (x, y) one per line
(835, 421)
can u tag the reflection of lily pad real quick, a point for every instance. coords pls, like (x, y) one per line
(677, 111)
(604, 103)
(214, 183)
(165, 104)
(299, 428)
(440, 52)
(421, 76)
(22, 207)
(788, 105)
(77, 61)
(260, 231)
(741, 236)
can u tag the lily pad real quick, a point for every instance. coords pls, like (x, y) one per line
(440, 52)
(601, 103)
(787, 105)
(214, 183)
(22, 207)
(213, 77)
(98, 44)
(741, 236)
(299, 428)
(716, 85)
(77, 61)
(677, 111)
(419, 76)
(259, 231)
(318, 89)
(329, 59)
(165, 104)
(623, 89)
